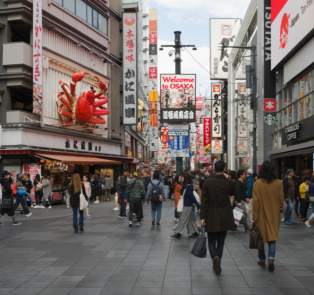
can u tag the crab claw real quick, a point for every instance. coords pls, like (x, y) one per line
(78, 76)
(102, 87)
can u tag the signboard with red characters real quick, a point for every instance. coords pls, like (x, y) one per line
(207, 132)
(37, 57)
(164, 137)
(269, 105)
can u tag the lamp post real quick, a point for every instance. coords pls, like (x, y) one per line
(177, 59)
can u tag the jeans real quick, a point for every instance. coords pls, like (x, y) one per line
(167, 190)
(216, 243)
(123, 209)
(194, 215)
(156, 207)
(296, 206)
(49, 200)
(312, 210)
(250, 210)
(68, 198)
(81, 221)
(271, 252)
(20, 199)
(29, 198)
(289, 210)
(136, 208)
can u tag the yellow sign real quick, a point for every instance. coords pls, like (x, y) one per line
(153, 96)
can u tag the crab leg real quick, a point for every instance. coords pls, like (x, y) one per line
(101, 102)
(101, 112)
(64, 113)
(60, 116)
(97, 121)
(76, 78)
(64, 101)
(66, 92)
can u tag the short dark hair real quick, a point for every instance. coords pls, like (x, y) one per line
(27, 174)
(69, 174)
(45, 176)
(289, 171)
(306, 178)
(240, 173)
(297, 174)
(232, 174)
(126, 170)
(156, 175)
(220, 166)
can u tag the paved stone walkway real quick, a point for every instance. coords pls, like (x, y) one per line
(44, 256)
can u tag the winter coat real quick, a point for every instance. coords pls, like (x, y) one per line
(249, 189)
(177, 194)
(123, 184)
(240, 191)
(47, 189)
(268, 202)
(75, 198)
(285, 184)
(150, 187)
(147, 180)
(107, 182)
(136, 190)
(216, 208)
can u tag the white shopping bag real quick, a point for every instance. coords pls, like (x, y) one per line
(237, 214)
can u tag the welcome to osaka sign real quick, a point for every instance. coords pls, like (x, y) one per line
(178, 98)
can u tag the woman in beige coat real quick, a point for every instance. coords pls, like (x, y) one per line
(268, 202)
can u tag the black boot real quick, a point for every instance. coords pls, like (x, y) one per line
(81, 228)
(76, 230)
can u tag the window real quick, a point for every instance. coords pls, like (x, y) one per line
(69, 5)
(81, 9)
(86, 13)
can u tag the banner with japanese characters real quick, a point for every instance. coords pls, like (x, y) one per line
(216, 111)
(178, 101)
(153, 78)
(178, 142)
(164, 138)
(37, 58)
(130, 98)
(216, 147)
(207, 132)
(242, 114)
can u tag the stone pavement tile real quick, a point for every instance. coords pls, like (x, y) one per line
(122, 284)
(235, 284)
(308, 285)
(296, 267)
(26, 291)
(35, 285)
(300, 279)
(16, 278)
(130, 267)
(143, 278)
(116, 291)
(63, 284)
(148, 291)
(123, 279)
(288, 284)
(152, 272)
(146, 284)
(154, 267)
(84, 291)
(184, 284)
(70, 278)
(178, 279)
(303, 273)
(207, 291)
(97, 278)
(177, 291)
(5, 291)
(235, 290)
(10, 284)
(206, 284)
(178, 272)
(84, 284)
(76, 273)
(266, 291)
(294, 291)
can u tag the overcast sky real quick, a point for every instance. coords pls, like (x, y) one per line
(192, 19)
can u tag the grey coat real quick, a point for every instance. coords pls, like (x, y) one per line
(107, 183)
(47, 192)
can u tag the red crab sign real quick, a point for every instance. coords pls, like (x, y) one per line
(84, 110)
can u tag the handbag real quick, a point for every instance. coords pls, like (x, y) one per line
(21, 192)
(6, 203)
(83, 202)
(39, 187)
(311, 199)
(256, 238)
(181, 203)
(199, 248)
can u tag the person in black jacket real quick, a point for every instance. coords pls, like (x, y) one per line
(28, 186)
(74, 189)
(7, 194)
(66, 183)
(241, 198)
(298, 182)
(38, 193)
(123, 190)
(146, 180)
(291, 192)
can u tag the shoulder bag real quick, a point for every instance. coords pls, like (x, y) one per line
(181, 203)
(83, 202)
(256, 238)
(199, 248)
(39, 187)
(21, 192)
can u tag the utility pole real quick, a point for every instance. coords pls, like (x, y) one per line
(177, 59)
(253, 97)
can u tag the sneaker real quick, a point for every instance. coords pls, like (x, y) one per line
(16, 223)
(176, 236)
(121, 217)
(288, 222)
(283, 219)
(177, 220)
(217, 262)
(261, 263)
(138, 223)
(307, 224)
(271, 266)
(96, 202)
(68, 207)
(158, 224)
(88, 216)
(49, 207)
(130, 224)
(34, 206)
(153, 222)
(116, 209)
(42, 207)
(194, 235)
(29, 215)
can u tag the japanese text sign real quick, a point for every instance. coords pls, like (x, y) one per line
(178, 142)
(207, 132)
(269, 105)
(216, 111)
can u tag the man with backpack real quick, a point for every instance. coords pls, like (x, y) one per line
(136, 190)
(156, 193)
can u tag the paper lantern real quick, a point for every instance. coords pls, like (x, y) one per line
(48, 162)
(42, 161)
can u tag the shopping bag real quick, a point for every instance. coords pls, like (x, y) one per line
(21, 192)
(199, 248)
(83, 202)
(116, 198)
(237, 214)
(256, 238)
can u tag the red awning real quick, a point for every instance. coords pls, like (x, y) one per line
(76, 159)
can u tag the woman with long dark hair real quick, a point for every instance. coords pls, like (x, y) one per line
(38, 192)
(268, 202)
(177, 188)
(186, 218)
(75, 188)
(95, 189)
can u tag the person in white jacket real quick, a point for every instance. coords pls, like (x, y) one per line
(88, 190)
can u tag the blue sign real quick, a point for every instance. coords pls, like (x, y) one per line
(178, 143)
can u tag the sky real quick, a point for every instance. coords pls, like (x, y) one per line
(192, 19)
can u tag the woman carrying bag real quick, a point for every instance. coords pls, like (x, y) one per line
(38, 191)
(186, 218)
(177, 187)
(75, 189)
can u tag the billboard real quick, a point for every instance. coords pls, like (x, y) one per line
(222, 30)
(130, 98)
(37, 58)
(178, 142)
(291, 22)
(178, 98)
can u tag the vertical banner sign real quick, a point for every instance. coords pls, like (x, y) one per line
(178, 141)
(130, 99)
(242, 111)
(207, 133)
(216, 111)
(37, 58)
(164, 138)
(153, 76)
(221, 31)
(242, 146)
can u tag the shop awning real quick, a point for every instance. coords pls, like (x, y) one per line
(76, 159)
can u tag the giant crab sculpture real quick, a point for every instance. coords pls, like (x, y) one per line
(84, 109)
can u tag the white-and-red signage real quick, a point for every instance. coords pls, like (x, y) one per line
(164, 137)
(269, 105)
(130, 99)
(32, 170)
(291, 21)
(207, 132)
(37, 57)
(216, 147)
(173, 81)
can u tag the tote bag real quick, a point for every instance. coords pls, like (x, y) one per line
(181, 203)
(199, 248)
(83, 202)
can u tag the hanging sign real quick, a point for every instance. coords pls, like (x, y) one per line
(207, 132)
(178, 142)
(216, 147)
(216, 111)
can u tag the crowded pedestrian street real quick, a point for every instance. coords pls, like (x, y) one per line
(44, 256)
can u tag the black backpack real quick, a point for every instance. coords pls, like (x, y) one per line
(156, 192)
